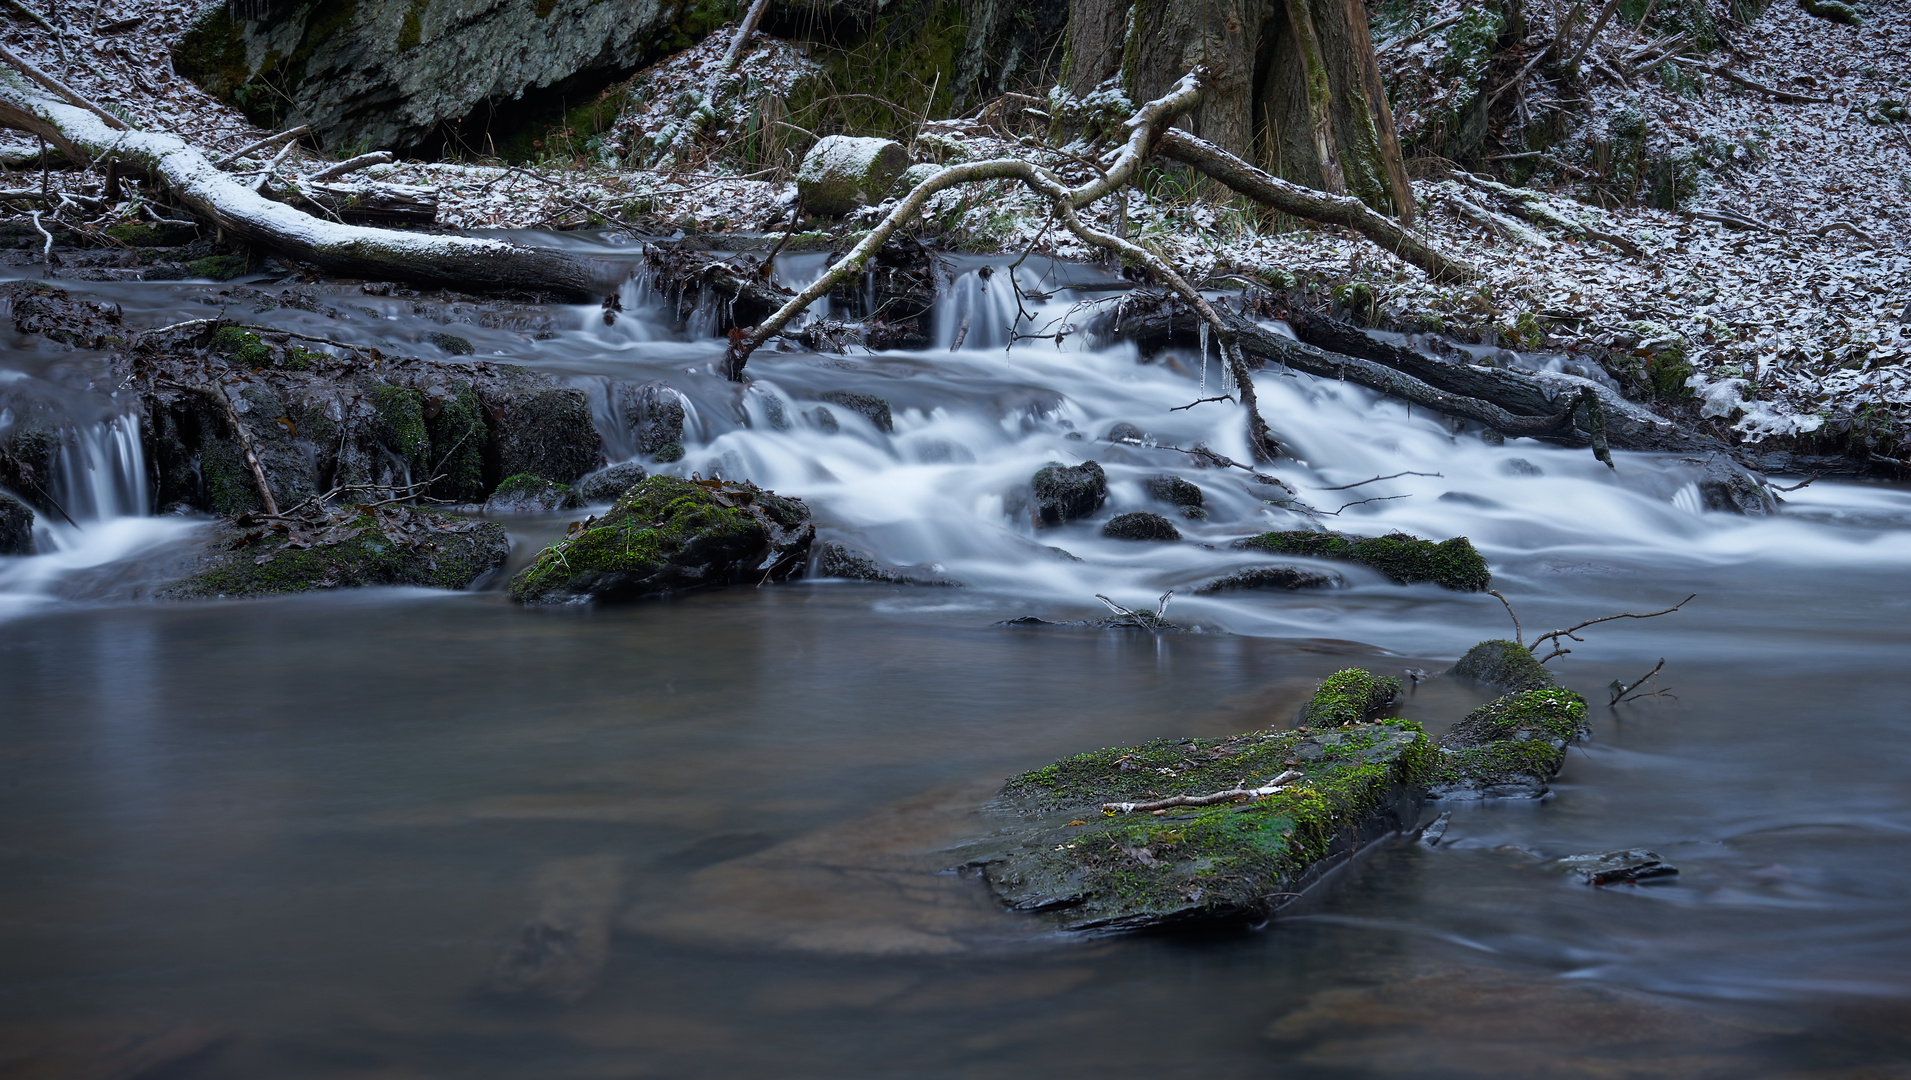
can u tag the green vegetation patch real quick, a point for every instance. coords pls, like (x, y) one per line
(670, 533)
(1096, 869)
(242, 347)
(1510, 748)
(218, 267)
(396, 545)
(1451, 564)
(1349, 697)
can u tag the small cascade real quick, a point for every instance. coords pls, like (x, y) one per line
(101, 473)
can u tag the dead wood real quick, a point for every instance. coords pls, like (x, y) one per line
(262, 144)
(351, 165)
(1230, 795)
(1571, 632)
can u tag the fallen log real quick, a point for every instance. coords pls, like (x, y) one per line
(342, 249)
(371, 203)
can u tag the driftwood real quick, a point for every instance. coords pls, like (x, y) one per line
(371, 203)
(344, 249)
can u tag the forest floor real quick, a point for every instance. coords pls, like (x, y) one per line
(1789, 318)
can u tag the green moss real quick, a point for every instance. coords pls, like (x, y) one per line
(213, 55)
(411, 27)
(300, 358)
(142, 235)
(1349, 697)
(668, 452)
(450, 343)
(459, 441)
(455, 553)
(1510, 746)
(241, 347)
(229, 485)
(218, 267)
(1451, 564)
(401, 418)
(1832, 11)
(1504, 663)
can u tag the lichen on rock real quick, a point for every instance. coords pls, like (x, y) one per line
(1451, 564)
(668, 534)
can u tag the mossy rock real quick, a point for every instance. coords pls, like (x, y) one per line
(1272, 577)
(218, 267)
(393, 545)
(1140, 526)
(875, 409)
(450, 343)
(1066, 492)
(526, 494)
(1451, 564)
(242, 347)
(1085, 868)
(140, 234)
(668, 534)
(1505, 664)
(460, 440)
(608, 484)
(1832, 11)
(543, 430)
(842, 173)
(1511, 747)
(1352, 696)
(1177, 492)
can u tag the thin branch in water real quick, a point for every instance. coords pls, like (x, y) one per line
(1377, 498)
(1203, 401)
(1518, 635)
(1802, 483)
(1636, 689)
(1344, 487)
(1570, 632)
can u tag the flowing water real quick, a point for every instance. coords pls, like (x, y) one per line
(294, 837)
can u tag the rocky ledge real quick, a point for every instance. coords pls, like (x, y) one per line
(1179, 831)
(344, 547)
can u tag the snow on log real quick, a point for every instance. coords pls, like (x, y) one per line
(343, 249)
(842, 173)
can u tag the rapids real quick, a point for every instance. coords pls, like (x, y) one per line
(291, 837)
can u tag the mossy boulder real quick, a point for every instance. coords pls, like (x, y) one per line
(1832, 11)
(1272, 577)
(1140, 526)
(1178, 493)
(1066, 492)
(1352, 696)
(542, 430)
(1451, 564)
(1511, 747)
(389, 545)
(842, 173)
(1505, 664)
(16, 526)
(606, 485)
(668, 534)
(1061, 854)
(524, 494)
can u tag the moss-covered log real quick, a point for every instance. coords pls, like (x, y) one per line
(1509, 748)
(219, 198)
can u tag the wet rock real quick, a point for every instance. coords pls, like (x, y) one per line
(837, 560)
(1727, 487)
(1175, 491)
(353, 546)
(1509, 748)
(1451, 564)
(1140, 526)
(16, 526)
(1272, 577)
(1125, 432)
(824, 420)
(869, 405)
(842, 173)
(1352, 696)
(543, 430)
(667, 534)
(1616, 867)
(559, 952)
(653, 414)
(1067, 492)
(1060, 855)
(1467, 498)
(605, 485)
(1520, 467)
(1505, 664)
(525, 494)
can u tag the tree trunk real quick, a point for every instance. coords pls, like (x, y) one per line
(1292, 83)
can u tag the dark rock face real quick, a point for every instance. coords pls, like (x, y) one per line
(1509, 748)
(605, 485)
(16, 526)
(668, 534)
(524, 494)
(835, 560)
(1616, 867)
(1125, 432)
(1140, 526)
(388, 73)
(869, 405)
(653, 413)
(1503, 663)
(1726, 487)
(543, 430)
(1272, 577)
(1066, 492)
(1348, 697)
(1308, 798)
(1451, 564)
(352, 546)
(1177, 492)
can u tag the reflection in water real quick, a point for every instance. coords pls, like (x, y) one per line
(414, 834)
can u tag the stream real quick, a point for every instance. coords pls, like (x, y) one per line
(292, 837)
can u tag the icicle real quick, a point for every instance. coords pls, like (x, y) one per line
(1204, 358)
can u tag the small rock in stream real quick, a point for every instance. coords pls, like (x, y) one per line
(1616, 867)
(1066, 492)
(1177, 492)
(868, 405)
(16, 526)
(1272, 577)
(606, 485)
(1451, 564)
(1141, 526)
(1510, 747)
(1503, 663)
(524, 494)
(559, 952)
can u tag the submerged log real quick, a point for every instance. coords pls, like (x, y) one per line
(345, 249)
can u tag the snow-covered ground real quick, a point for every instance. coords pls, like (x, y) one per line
(1785, 326)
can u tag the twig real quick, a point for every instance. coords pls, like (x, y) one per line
(350, 165)
(1796, 486)
(1570, 631)
(269, 140)
(1344, 487)
(240, 433)
(1230, 795)
(1516, 80)
(1403, 42)
(1203, 401)
(1518, 635)
(273, 165)
(1623, 692)
(1377, 498)
(60, 88)
(46, 253)
(741, 41)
